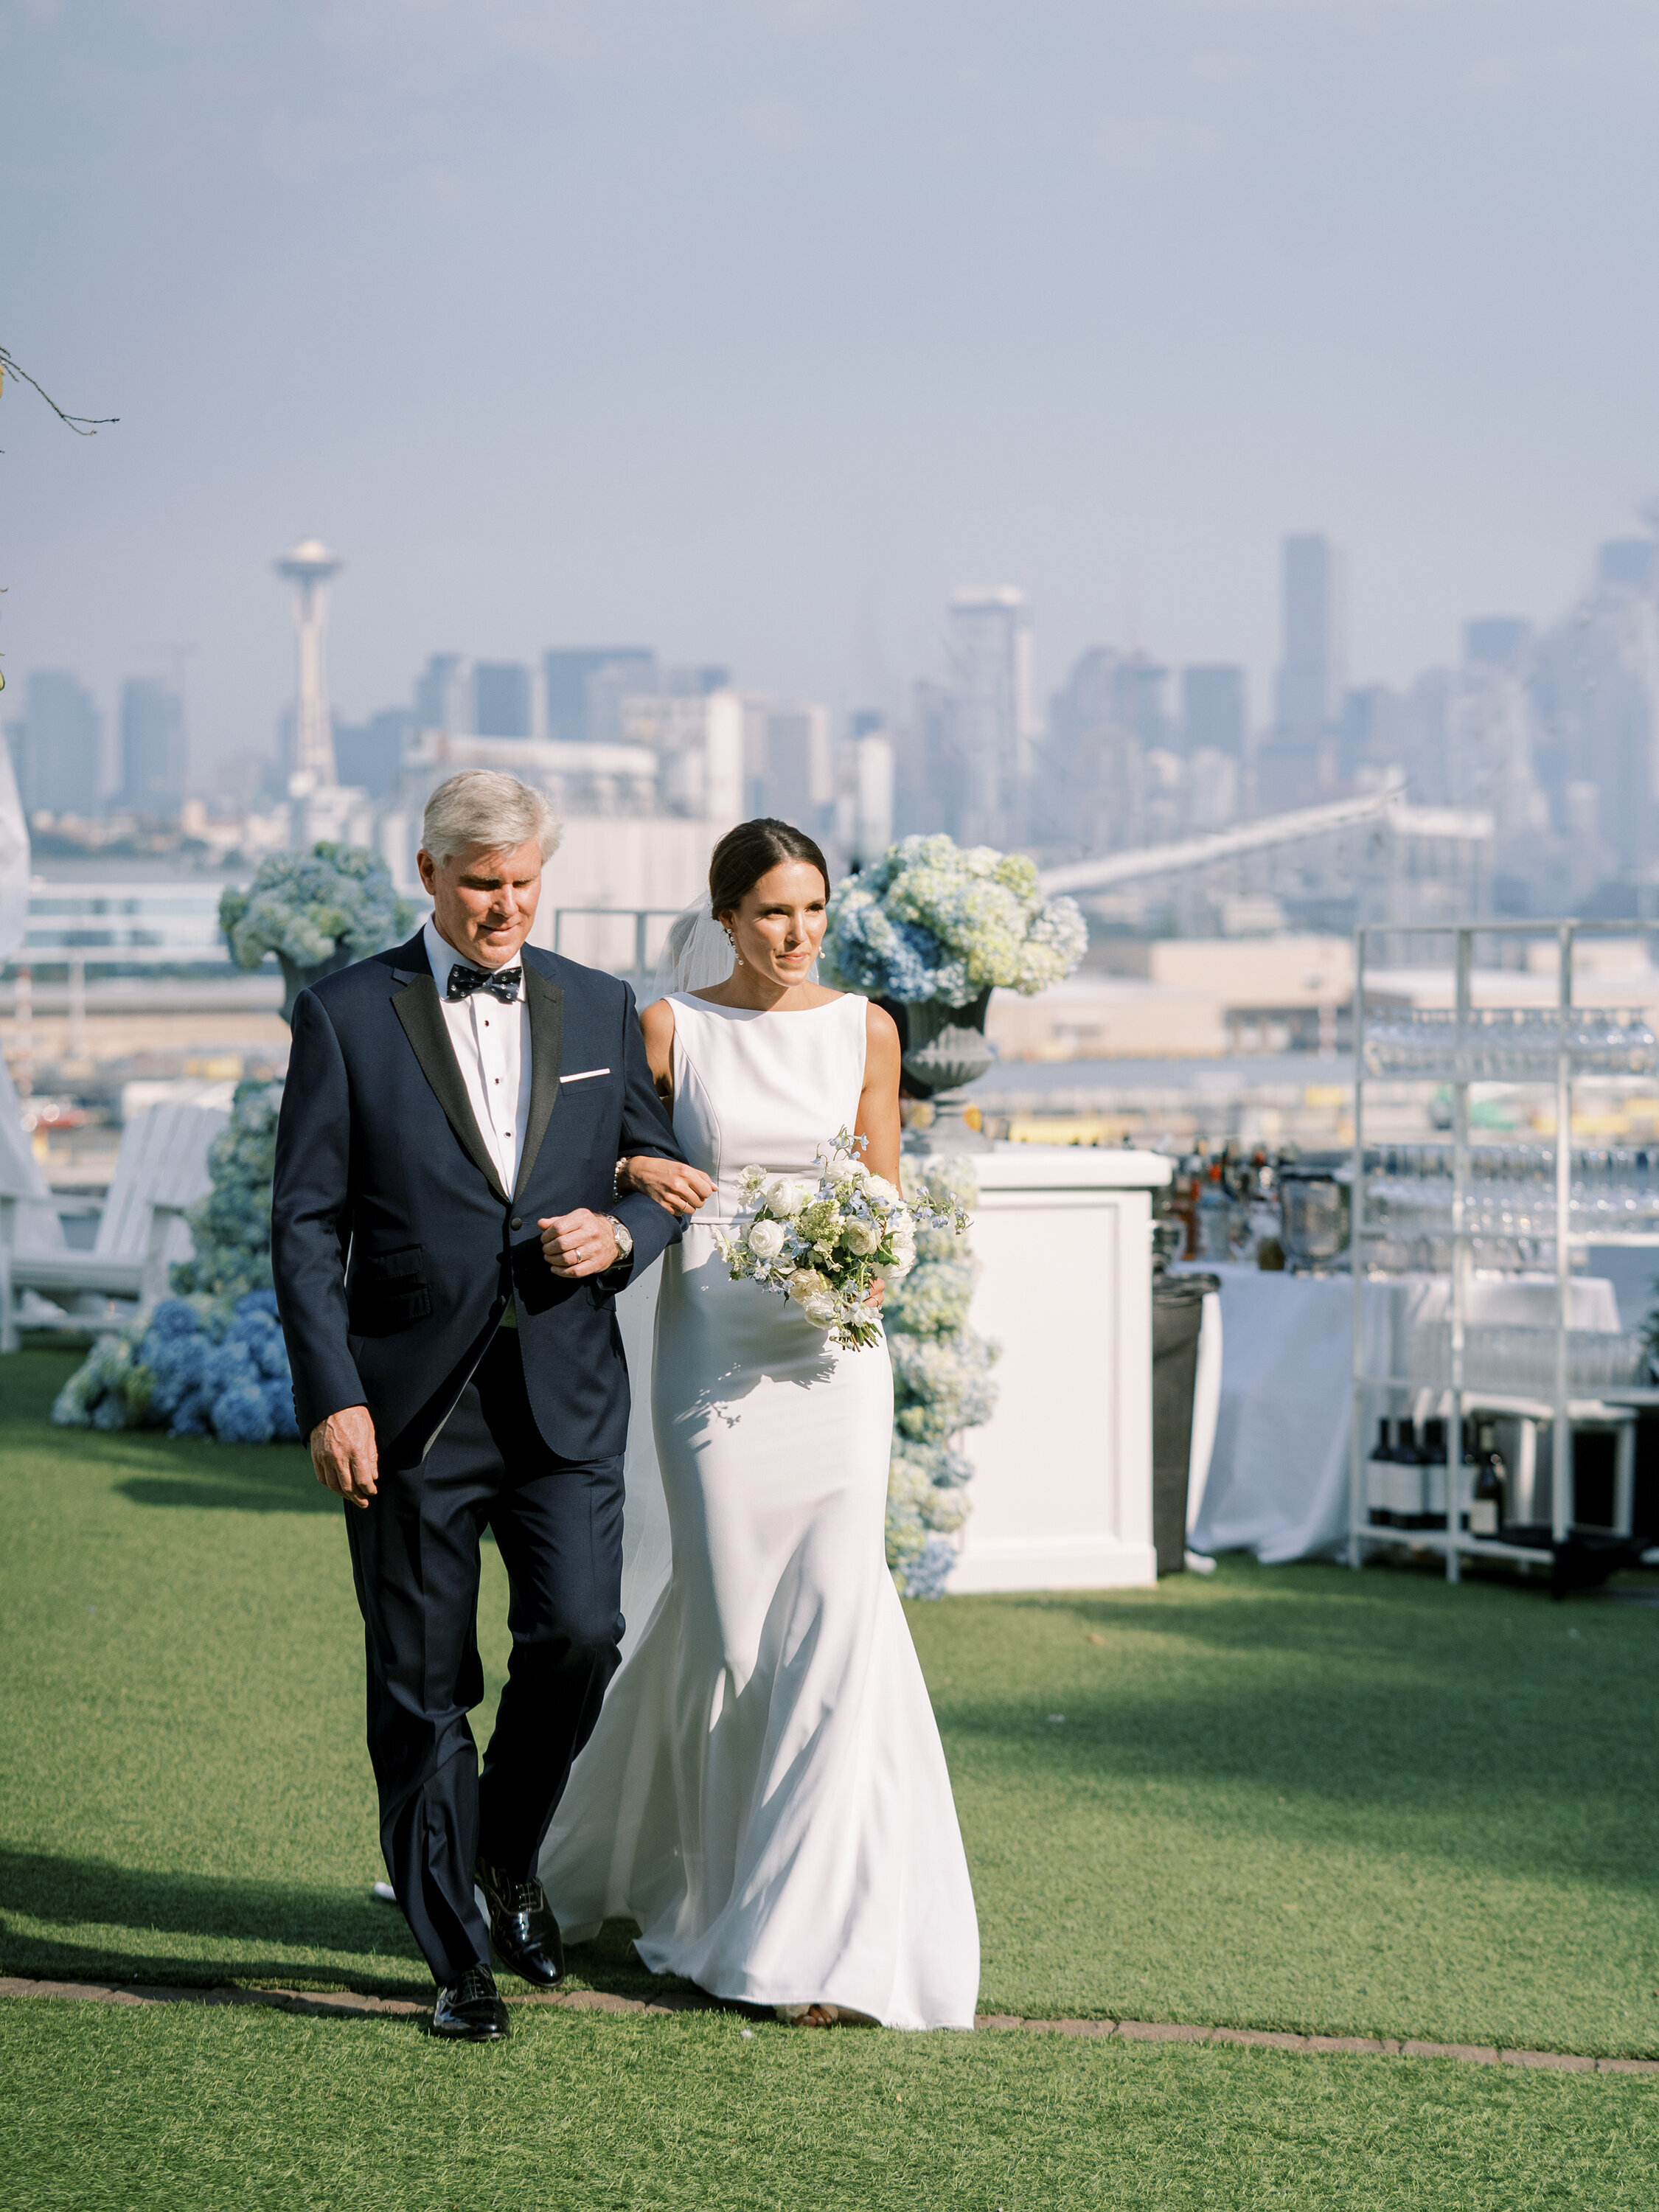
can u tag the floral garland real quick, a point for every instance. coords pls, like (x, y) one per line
(933, 920)
(941, 1386)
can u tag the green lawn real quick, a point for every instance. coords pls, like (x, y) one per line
(1279, 1798)
(580, 2113)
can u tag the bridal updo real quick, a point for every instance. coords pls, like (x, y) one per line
(750, 851)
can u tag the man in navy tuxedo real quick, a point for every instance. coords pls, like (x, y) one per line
(447, 1247)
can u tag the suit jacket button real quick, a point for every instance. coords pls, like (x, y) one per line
(517, 1222)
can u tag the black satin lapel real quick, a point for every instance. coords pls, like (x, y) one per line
(545, 1001)
(420, 1010)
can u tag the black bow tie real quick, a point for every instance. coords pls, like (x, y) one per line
(501, 983)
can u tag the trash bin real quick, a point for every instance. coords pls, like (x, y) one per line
(1177, 1317)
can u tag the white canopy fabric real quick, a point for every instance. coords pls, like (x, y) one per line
(14, 860)
(38, 1229)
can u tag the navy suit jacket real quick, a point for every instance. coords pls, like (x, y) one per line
(394, 1246)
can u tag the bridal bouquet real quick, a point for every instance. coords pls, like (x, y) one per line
(825, 1245)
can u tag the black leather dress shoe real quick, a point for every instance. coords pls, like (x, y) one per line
(521, 1927)
(471, 2012)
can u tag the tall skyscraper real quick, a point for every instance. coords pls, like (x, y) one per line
(443, 694)
(58, 761)
(152, 747)
(1497, 641)
(1631, 562)
(575, 713)
(501, 699)
(788, 764)
(1213, 710)
(996, 728)
(1310, 675)
(370, 755)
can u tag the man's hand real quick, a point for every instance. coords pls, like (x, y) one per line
(345, 1453)
(676, 1186)
(578, 1244)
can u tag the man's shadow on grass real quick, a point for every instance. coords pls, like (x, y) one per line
(232, 1920)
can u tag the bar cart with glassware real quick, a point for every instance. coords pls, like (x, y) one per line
(1464, 1216)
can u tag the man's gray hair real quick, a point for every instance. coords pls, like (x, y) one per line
(485, 808)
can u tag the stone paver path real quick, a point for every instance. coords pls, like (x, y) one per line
(348, 2001)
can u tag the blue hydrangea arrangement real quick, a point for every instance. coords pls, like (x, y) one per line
(941, 1386)
(312, 908)
(933, 920)
(230, 1228)
(195, 1370)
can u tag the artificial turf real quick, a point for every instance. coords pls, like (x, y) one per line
(1278, 1798)
(180, 2105)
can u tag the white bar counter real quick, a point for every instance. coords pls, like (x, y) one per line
(1062, 1497)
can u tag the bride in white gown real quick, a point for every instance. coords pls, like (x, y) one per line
(765, 1792)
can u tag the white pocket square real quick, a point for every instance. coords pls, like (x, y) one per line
(585, 1075)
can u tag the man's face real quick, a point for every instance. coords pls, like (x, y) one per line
(483, 903)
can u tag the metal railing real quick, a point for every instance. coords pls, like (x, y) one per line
(640, 917)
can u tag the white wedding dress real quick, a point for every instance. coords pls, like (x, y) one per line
(765, 1792)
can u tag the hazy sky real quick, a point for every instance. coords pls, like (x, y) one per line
(749, 328)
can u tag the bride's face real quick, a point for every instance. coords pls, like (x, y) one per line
(779, 926)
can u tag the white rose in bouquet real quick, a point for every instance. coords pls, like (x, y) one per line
(766, 1238)
(806, 1283)
(877, 1188)
(820, 1309)
(786, 1198)
(861, 1237)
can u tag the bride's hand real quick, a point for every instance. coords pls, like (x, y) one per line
(679, 1189)
(877, 1294)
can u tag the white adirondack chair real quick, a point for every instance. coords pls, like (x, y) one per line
(161, 1169)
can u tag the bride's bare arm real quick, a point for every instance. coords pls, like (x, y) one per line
(878, 1103)
(681, 1189)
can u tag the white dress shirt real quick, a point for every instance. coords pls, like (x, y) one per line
(492, 1044)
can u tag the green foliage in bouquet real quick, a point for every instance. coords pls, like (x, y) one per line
(230, 1228)
(334, 903)
(941, 1383)
(933, 920)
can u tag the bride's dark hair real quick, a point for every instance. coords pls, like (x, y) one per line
(750, 851)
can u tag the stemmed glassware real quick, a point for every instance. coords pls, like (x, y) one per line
(1509, 1202)
(1508, 1044)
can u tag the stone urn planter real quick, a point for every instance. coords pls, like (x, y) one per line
(944, 1049)
(296, 979)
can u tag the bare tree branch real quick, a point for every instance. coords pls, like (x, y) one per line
(84, 426)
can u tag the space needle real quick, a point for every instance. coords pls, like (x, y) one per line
(308, 568)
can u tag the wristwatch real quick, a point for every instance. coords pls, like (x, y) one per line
(624, 1237)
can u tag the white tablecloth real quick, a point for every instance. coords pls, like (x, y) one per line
(1277, 1480)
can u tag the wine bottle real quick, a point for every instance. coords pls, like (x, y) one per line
(1487, 1497)
(1380, 1471)
(1408, 1480)
(1431, 1459)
